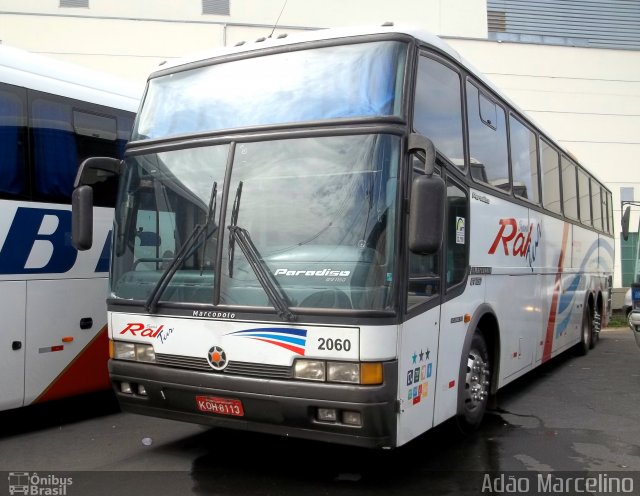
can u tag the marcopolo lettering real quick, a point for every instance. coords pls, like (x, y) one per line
(39, 242)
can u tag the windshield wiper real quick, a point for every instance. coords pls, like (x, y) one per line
(234, 222)
(263, 274)
(160, 287)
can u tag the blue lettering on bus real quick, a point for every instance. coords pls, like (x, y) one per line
(23, 234)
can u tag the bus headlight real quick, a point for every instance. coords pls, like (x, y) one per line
(137, 352)
(364, 373)
(311, 370)
(343, 372)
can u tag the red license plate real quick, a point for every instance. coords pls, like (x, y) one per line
(220, 406)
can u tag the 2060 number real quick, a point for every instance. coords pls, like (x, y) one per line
(330, 344)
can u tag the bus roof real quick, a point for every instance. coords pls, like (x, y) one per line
(40, 73)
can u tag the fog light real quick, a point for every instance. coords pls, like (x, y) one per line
(327, 414)
(125, 388)
(352, 418)
(142, 391)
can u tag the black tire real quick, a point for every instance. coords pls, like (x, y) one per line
(582, 348)
(629, 319)
(477, 386)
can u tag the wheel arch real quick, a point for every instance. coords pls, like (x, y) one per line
(485, 321)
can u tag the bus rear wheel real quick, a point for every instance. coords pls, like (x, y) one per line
(586, 334)
(477, 387)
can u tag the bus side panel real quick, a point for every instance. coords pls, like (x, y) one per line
(508, 239)
(12, 309)
(417, 362)
(452, 338)
(56, 340)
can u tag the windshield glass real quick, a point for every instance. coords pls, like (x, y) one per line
(320, 213)
(359, 80)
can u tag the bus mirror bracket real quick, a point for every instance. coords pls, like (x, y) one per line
(419, 143)
(427, 205)
(82, 217)
(97, 165)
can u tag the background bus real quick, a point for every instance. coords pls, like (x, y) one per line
(293, 256)
(53, 115)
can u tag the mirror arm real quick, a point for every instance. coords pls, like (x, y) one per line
(419, 143)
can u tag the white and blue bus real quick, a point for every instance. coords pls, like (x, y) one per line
(54, 115)
(346, 235)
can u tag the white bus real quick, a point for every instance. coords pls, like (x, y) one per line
(292, 256)
(53, 115)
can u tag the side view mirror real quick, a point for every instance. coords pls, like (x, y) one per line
(92, 171)
(82, 218)
(625, 223)
(428, 198)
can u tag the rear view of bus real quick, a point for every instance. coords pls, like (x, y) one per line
(291, 256)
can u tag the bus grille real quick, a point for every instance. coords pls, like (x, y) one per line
(234, 368)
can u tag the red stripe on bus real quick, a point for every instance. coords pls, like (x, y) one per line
(87, 372)
(290, 347)
(551, 324)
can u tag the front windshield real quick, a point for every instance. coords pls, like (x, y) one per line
(320, 212)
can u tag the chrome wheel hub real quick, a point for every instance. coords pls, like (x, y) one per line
(477, 380)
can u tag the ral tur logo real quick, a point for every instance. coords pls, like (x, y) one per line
(147, 331)
(517, 240)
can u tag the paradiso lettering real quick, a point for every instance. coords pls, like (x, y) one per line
(518, 240)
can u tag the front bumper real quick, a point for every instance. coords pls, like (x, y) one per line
(284, 407)
(634, 320)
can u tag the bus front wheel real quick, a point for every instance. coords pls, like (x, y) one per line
(477, 387)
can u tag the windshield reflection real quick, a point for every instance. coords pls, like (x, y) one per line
(320, 212)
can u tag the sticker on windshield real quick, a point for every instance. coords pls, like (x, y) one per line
(460, 228)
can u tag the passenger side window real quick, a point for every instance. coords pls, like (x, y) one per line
(550, 177)
(569, 189)
(598, 205)
(457, 237)
(487, 140)
(524, 161)
(585, 197)
(438, 108)
(65, 132)
(13, 139)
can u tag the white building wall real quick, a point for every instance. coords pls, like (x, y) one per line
(587, 99)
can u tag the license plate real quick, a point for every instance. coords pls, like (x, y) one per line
(220, 406)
